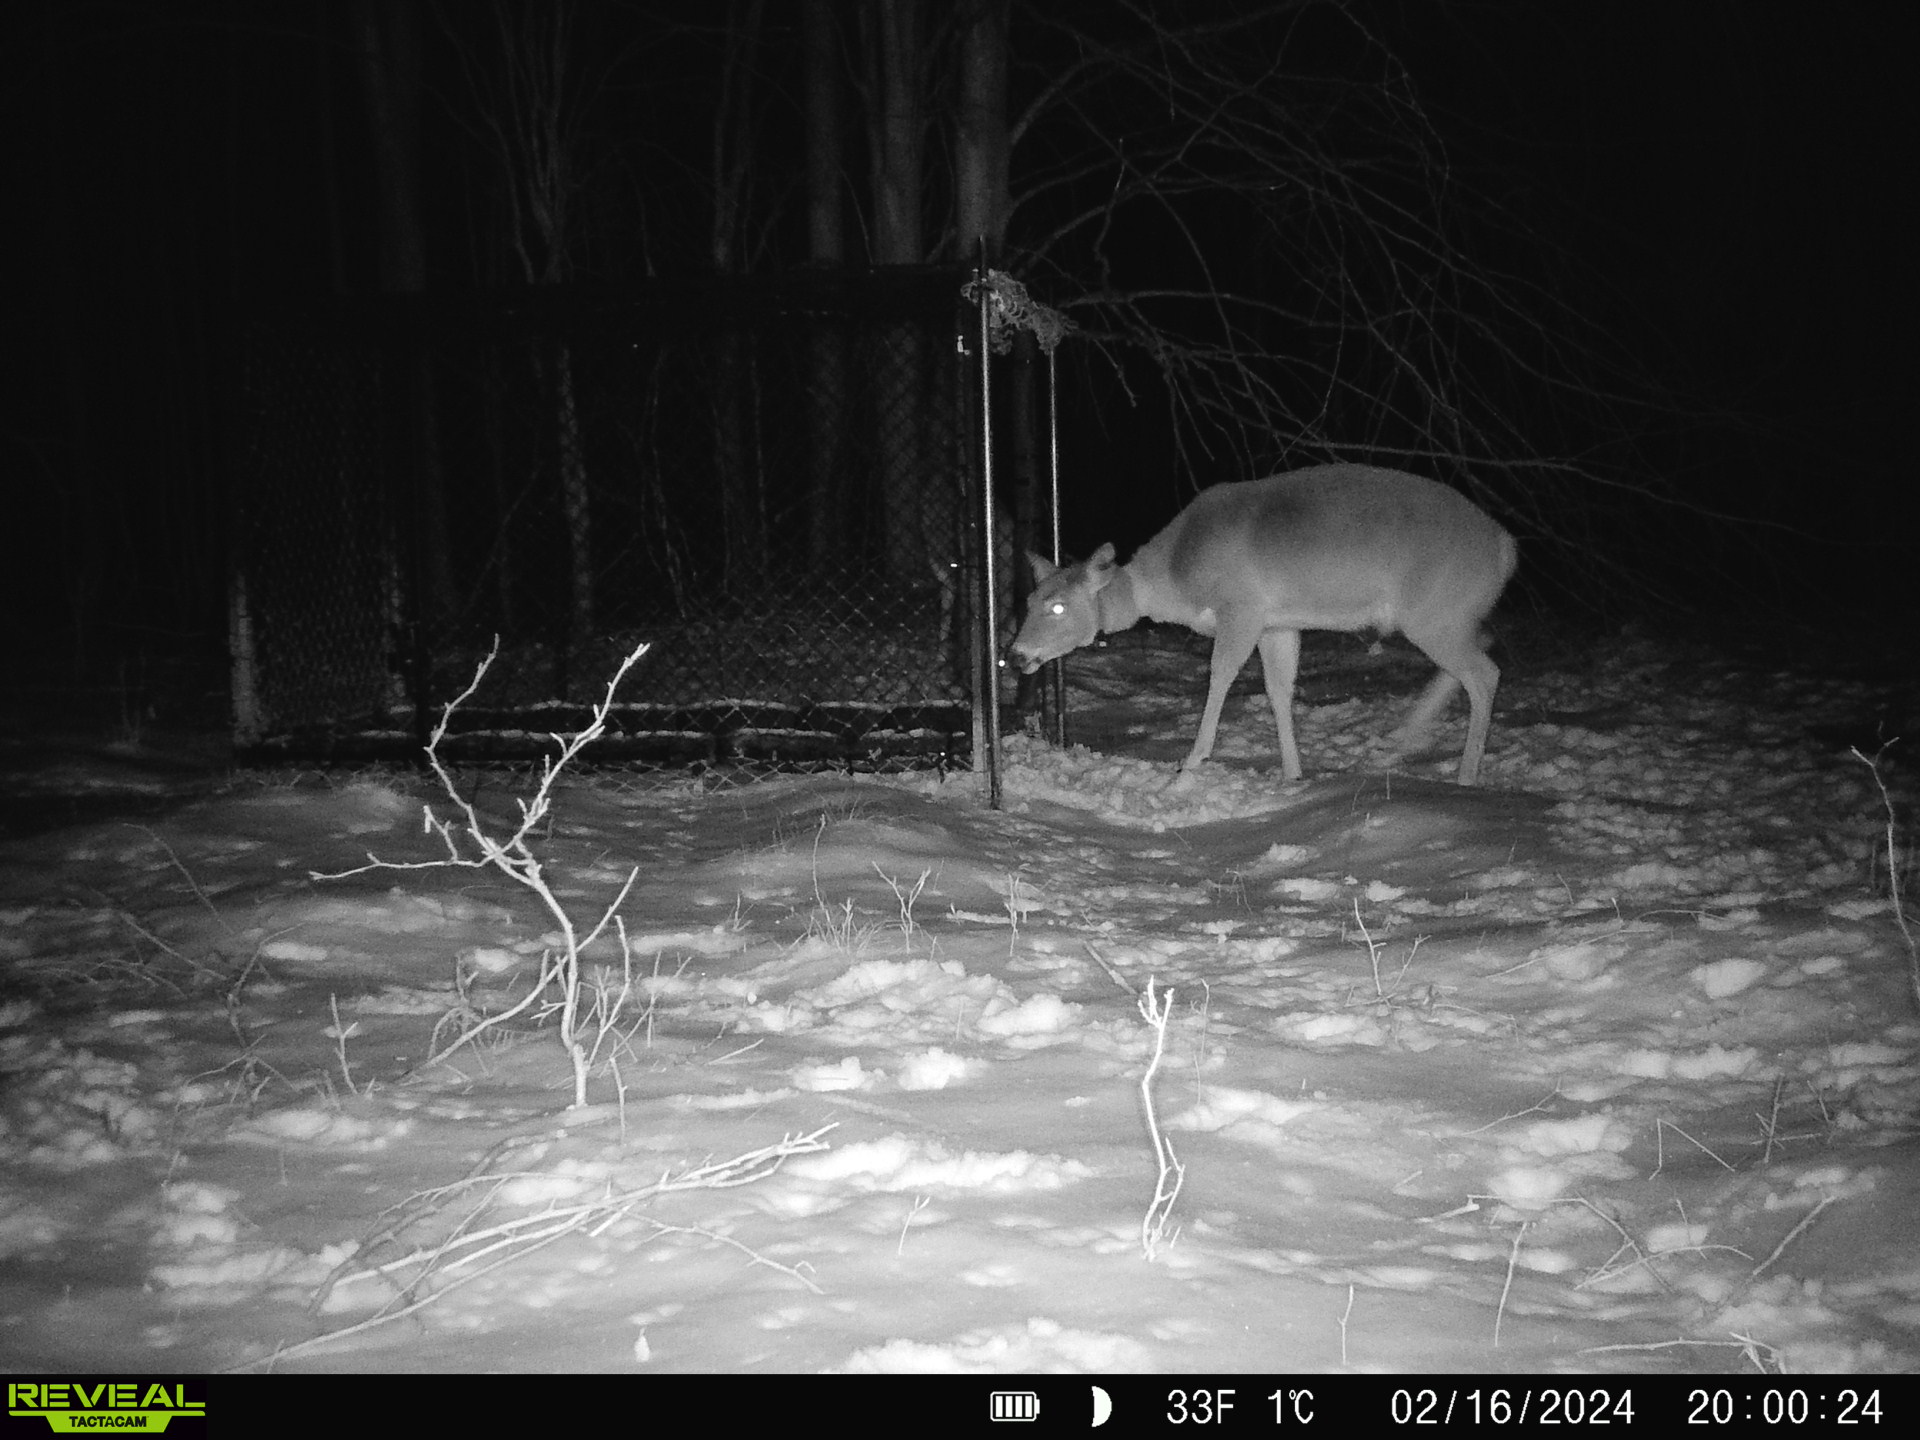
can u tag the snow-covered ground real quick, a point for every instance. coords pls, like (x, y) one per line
(1610, 1065)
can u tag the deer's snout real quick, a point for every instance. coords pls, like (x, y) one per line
(1023, 659)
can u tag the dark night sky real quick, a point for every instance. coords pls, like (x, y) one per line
(1736, 171)
(1732, 174)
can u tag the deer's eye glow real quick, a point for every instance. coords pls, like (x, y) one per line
(1058, 608)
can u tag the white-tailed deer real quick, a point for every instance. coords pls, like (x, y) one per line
(1335, 547)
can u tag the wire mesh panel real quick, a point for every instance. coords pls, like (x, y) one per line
(765, 482)
(316, 535)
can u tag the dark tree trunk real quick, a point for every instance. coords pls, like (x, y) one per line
(982, 143)
(742, 501)
(916, 530)
(386, 36)
(827, 250)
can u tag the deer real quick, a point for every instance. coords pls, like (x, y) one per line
(1252, 564)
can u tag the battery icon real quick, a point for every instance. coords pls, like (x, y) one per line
(1013, 1405)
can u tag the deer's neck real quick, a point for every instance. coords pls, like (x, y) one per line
(1147, 586)
(1119, 606)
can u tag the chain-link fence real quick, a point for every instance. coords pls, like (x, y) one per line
(767, 482)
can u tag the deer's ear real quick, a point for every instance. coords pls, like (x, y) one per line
(1101, 561)
(1042, 567)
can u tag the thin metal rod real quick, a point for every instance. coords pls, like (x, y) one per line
(989, 543)
(1057, 671)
